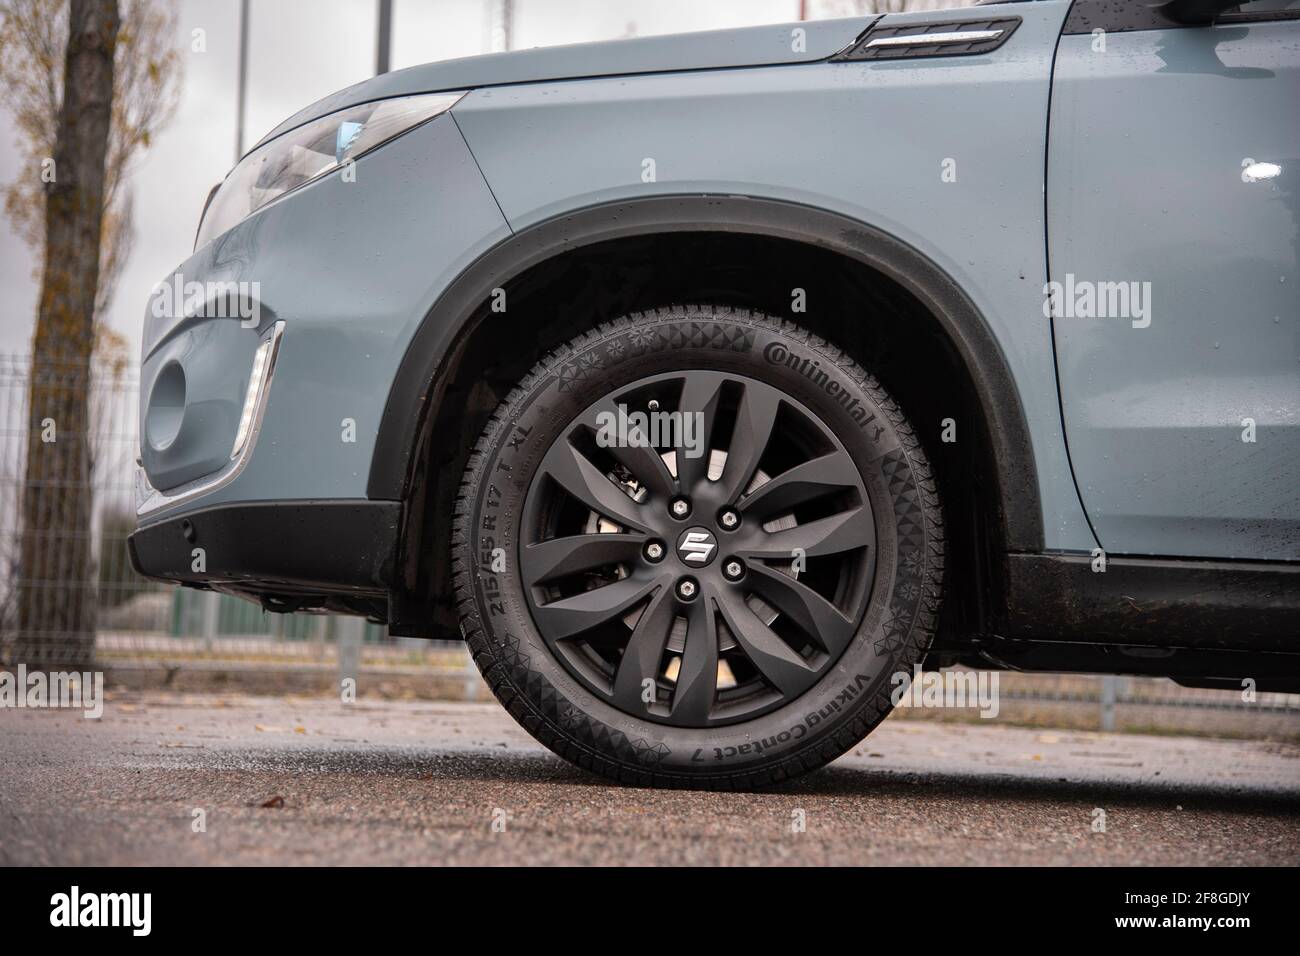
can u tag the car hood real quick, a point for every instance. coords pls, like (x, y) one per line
(714, 49)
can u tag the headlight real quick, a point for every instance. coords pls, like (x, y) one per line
(312, 150)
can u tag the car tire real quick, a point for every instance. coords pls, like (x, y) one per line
(842, 557)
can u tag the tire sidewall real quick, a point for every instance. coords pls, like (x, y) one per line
(892, 635)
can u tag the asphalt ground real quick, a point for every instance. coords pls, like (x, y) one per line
(314, 781)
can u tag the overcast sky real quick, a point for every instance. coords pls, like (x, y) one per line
(299, 51)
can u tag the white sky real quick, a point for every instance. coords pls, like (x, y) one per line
(299, 51)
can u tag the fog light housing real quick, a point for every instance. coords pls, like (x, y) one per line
(149, 499)
(165, 413)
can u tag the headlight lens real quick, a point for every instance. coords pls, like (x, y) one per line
(311, 151)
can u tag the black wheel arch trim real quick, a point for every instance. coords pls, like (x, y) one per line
(421, 377)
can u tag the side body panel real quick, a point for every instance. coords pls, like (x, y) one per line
(869, 140)
(1146, 185)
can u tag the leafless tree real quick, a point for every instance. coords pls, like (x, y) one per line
(88, 85)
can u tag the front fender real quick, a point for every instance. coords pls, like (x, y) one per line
(418, 384)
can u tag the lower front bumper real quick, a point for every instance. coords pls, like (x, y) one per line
(287, 555)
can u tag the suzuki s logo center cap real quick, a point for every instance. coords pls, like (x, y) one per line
(697, 547)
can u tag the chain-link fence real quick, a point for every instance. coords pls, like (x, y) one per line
(68, 594)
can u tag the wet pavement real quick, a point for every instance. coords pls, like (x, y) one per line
(210, 779)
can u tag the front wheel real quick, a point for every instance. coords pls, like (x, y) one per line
(694, 546)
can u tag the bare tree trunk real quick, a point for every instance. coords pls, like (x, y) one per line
(56, 595)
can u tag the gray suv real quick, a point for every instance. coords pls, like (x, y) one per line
(712, 384)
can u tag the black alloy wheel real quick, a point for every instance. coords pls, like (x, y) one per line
(685, 638)
(698, 547)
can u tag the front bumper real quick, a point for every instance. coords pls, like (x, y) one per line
(336, 555)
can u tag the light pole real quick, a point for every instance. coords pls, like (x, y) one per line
(243, 80)
(384, 39)
(501, 17)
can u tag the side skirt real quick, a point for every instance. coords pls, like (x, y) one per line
(1214, 623)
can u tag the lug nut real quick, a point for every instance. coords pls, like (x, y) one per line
(733, 570)
(729, 519)
(654, 551)
(680, 507)
(686, 589)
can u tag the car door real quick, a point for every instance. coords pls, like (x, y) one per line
(1173, 214)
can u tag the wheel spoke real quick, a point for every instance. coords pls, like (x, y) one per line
(701, 394)
(774, 658)
(645, 651)
(558, 557)
(697, 678)
(830, 535)
(755, 419)
(812, 479)
(819, 620)
(581, 612)
(571, 470)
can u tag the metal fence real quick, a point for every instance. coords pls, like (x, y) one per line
(81, 556)
(143, 627)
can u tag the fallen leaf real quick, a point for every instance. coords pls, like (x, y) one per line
(275, 803)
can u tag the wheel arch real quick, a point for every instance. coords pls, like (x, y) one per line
(435, 353)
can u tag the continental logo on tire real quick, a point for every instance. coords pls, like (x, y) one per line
(776, 353)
